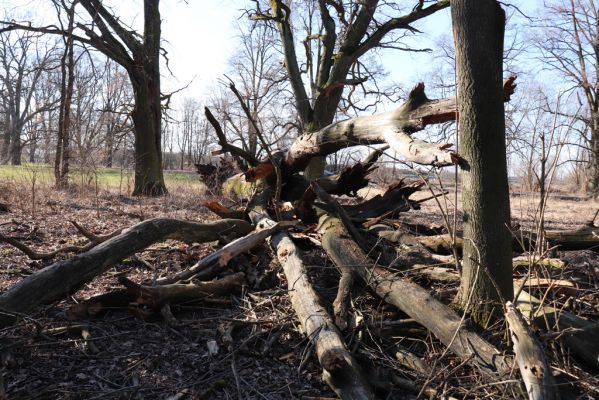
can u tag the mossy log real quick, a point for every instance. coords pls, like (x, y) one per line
(65, 277)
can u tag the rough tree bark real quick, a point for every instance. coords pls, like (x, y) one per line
(486, 283)
(64, 277)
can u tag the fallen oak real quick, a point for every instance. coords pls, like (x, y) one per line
(415, 301)
(65, 277)
(340, 370)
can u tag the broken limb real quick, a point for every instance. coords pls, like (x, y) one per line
(394, 128)
(211, 265)
(340, 370)
(156, 296)
(65, 277)
(415, 301)
(530, 357)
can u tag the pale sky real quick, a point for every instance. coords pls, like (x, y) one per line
(200, 37)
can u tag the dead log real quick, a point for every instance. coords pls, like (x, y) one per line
(340, 370)
(580, 239)
(65, 277)
(209, 266)
(157, 296)
(441, 244)
(578, 334)
(412, 299)
(530, 357)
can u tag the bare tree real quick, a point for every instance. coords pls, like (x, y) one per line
(67, 80)
(23, 61)
(569, 44)
(139, 55)
(343, 34)
(117, 103)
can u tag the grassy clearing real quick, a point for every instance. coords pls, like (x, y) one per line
(103, 177)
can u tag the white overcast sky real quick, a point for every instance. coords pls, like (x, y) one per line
(200, 36)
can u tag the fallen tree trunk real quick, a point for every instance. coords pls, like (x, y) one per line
(578, 334)
(412, 299)
(340, 370)
(579, 239)
(530, 358)
(65, 277)
(441, 244)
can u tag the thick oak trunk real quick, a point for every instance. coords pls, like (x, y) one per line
(486, 283)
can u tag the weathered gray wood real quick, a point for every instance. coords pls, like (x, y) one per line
(530, 357)
(412, 299)
(582, 338)
(209, 266)
(65, 277)
(392, 127)
(340, 370)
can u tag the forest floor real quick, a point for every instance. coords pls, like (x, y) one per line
(245, 347)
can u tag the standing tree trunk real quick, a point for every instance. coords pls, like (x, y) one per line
(15, 145)
(149, 179)
(67, 73)
(478, 27)
(592, 183)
